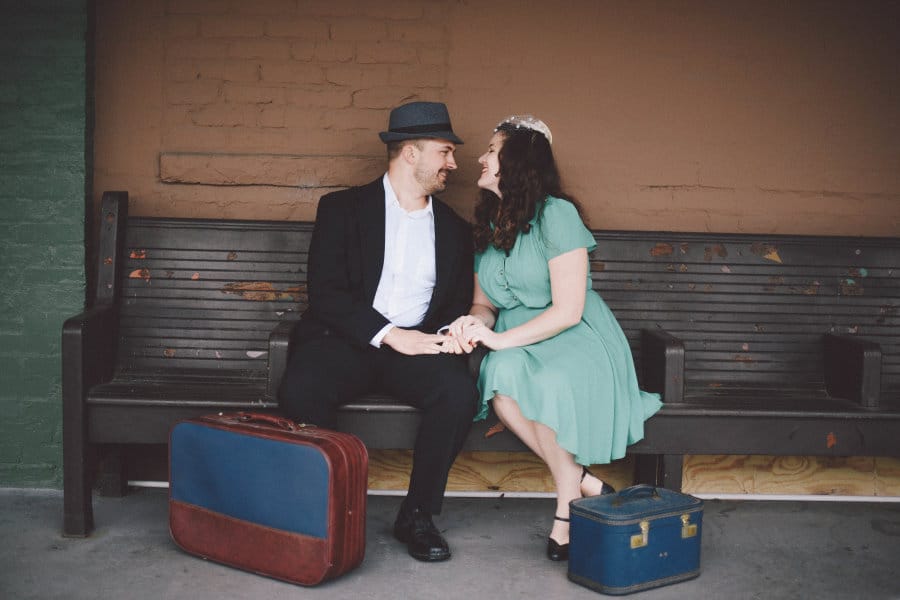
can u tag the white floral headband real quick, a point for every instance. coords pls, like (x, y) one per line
(527, 122)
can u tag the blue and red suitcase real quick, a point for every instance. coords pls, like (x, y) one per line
(641, 538)
(263, 494)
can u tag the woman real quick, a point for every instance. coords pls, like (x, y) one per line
(561, 375)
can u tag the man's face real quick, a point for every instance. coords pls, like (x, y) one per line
(434, 162)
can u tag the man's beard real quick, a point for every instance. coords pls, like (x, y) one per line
(432, 182)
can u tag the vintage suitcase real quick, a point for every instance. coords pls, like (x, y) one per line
(263, 494)
(640, 538)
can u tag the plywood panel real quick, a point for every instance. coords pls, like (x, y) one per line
(707, 474)
(486, 472)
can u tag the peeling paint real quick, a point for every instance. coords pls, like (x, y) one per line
(138, 254)
(717, 250)
(662, 249)
(598, 266)
(263, 291)
(195, 276)
(683, 268)
(812, 289)
(140, 274)
(830, 440)
(107, 260)
(743, 358)
(726, 269)
(850, 287)
(766, 251)
(683, 248)
(256, 353)
(860, 272)
(231, 255)
(169, 353)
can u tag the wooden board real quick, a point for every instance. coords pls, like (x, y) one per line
(703, 474)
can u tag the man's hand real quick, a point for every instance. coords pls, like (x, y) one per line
(412, 342)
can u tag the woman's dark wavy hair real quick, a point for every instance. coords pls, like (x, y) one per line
(528, 174)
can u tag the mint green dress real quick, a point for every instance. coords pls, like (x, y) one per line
(581, 383)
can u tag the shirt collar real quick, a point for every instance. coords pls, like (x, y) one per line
(391, 202)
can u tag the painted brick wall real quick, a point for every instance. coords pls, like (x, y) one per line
(42, 167)
(257, 108)
(764, 117)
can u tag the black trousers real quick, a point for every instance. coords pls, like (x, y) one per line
(328, 371)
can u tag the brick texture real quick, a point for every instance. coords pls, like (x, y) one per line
(42, 154)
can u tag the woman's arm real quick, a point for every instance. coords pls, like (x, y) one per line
(568, 284)
(481, 314)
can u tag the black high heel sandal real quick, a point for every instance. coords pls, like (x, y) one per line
(555, 550)
(605, 489)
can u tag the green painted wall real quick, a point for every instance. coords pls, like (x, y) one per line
(44, 170)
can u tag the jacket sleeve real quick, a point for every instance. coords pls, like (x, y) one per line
(334, 282)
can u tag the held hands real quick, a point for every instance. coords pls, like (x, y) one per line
(466, 332)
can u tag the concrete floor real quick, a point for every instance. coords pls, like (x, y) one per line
(759, 550)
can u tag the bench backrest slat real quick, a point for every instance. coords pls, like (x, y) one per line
(752, 309)
(204, 295)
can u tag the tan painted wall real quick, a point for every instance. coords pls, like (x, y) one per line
(723, 116)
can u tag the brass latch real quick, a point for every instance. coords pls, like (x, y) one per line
(640, 540)
(688, 529)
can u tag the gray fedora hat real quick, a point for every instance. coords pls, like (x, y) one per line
(419, 120)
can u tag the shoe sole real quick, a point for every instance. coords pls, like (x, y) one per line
(430, 557)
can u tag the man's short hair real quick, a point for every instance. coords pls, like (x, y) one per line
(396, 147)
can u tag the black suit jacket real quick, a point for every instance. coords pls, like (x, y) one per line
(346, 256)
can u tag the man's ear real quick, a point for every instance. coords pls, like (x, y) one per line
(410, 153)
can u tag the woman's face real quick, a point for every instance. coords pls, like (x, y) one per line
(490, 165)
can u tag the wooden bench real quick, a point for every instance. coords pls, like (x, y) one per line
(782, 345)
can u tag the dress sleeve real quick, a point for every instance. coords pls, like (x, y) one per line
(562, 229)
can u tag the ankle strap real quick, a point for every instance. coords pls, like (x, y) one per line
(564, 520)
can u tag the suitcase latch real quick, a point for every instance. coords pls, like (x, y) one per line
(688, 529)
(641, 539)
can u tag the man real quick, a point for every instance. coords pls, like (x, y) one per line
(389, 265)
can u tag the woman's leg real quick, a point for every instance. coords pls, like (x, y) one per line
(566, 475)
(509, 414)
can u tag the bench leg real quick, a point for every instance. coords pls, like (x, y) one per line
(662, 470)
(112, 480)
(78, 511)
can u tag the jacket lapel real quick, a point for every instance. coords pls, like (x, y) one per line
(371, 232)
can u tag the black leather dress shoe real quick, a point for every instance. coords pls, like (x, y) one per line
(422, 538)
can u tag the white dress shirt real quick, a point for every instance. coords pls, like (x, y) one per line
(409, 271)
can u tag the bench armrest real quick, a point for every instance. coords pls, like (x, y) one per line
(662, 364)
(88, 351)
(852, 369)
(279, 346)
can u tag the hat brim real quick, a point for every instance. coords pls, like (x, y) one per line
(393, 136)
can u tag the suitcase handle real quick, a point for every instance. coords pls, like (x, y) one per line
(279, 422)
(641, 489)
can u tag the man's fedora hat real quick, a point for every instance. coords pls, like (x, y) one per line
(419, 120)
